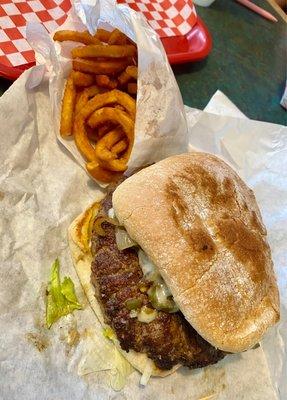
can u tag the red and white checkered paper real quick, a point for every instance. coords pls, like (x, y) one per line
(14, 15)
(166, 17)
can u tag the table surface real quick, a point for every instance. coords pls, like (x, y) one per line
(247, 62)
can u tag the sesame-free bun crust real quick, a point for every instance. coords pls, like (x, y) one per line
(201, 226)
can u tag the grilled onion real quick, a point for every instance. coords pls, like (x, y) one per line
(124, 241)
(98, 224)
(149, 269)
(147, 314)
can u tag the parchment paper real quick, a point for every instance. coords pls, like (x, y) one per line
(258, 151)
(42, 190)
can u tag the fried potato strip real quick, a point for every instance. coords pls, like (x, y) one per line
(132, 88)
(132, 71)
(68, 106)
(113, 97)
(74, 36)
(99, 67)
(82, 79)
(117, 37)
(85, 96)
(101, 174)
(101, 117)
(108, 51)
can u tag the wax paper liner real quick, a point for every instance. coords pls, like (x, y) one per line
(258, 152)
(160, 128)
(41, 192)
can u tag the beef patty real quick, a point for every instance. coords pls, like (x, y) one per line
(117, 276)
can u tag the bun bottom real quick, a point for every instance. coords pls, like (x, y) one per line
(78, 238)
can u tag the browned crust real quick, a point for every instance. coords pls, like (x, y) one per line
(201, 226)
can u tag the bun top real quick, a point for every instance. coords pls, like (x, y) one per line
(201, 226)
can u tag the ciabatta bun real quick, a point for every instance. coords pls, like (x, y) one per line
(201, 226)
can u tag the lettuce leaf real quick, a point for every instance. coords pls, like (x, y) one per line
(99, 354)
(61, 298)
(120, 373)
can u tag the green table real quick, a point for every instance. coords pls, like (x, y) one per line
(247, 62)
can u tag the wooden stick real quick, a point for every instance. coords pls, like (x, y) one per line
(278, 9)
(260, 11)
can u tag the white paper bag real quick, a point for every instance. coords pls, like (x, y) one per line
(160, 128)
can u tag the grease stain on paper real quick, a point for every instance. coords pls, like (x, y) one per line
(73, 337)
(215, 377)
(38, 340)
(69, 333)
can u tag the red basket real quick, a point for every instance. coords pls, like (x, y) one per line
(14, 15)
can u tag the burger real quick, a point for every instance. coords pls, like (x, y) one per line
(176, 264)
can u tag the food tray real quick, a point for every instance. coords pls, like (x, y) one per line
(17, 56)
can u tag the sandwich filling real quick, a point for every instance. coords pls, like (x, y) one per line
(137, 304)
